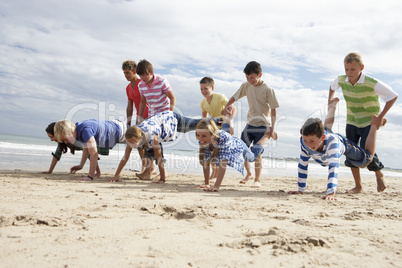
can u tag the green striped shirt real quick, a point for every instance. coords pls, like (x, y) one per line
(362, 101)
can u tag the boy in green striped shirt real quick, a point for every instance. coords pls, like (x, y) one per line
(362, 94)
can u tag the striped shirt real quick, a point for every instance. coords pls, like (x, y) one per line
(156, 95)
(230, 148)
(334, 148)
(362, 98)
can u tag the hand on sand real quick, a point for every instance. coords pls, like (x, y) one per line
(115, 179)
(75, 169)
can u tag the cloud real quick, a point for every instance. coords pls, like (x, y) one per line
(63, 56)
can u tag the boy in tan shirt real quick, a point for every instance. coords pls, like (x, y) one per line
(262, 104)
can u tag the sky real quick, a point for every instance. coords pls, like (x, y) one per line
(62, 59)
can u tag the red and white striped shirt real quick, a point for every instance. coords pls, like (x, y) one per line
(156, 95)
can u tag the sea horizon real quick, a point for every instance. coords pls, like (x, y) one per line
(32, 153)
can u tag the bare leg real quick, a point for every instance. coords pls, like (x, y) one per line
(370, 146)
(380, 181)
(358, 182)
(97, 171)
(329, 120)
(249, 175)
(258, 169)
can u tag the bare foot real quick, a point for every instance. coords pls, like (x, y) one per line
(246, 179)
(256, 184)
(355, 190)
(380, 182)
(144, 176)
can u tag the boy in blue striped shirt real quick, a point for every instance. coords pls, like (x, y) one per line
(325, 147)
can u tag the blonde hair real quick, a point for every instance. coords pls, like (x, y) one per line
(353, 57)
(63, 128)
(136, 133)
(208, 124)
(129, 65)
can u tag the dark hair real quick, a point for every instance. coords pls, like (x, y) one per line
(62, 146)
(144, 67)
(207, 80)
(252, 67)
(313, 126)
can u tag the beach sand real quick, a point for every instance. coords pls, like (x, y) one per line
(56, 221)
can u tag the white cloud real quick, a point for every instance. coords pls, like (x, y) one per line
(57, 55)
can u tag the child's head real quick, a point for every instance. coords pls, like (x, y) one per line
(134, 137)
(129, 65)
(145, 71)
(50, 131)
(353, 67)
(353, 57)
(313, 133)
(129, 69)
(64, 131)
(207, 86)
(253, 73)
(144, 67)
(207, 132)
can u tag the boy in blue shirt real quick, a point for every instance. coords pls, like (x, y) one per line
(325, 147)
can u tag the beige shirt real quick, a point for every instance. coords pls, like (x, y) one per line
(261, 99)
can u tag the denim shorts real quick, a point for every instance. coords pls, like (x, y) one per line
(356, 155)
(252, 134)
(356, 134)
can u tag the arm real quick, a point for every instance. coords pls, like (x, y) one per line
(230, 102)
(52, 166)
(172, 98)
(331, 94)
(129, 112)
(332, 181)
(219, 179)
(204, 114)
(141, 110)
(206, 171)
(82, 163)
(122, 164)
(302, 173)
(270, 130)
(388, 105)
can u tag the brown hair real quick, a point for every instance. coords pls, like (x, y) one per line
(144, 67)
(252, 67)
(312, 126)
(207, 80)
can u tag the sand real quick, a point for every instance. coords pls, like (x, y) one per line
(56, 221)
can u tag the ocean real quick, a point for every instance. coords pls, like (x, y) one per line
(35, 154)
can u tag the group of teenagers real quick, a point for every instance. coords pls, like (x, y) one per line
(157, 122)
